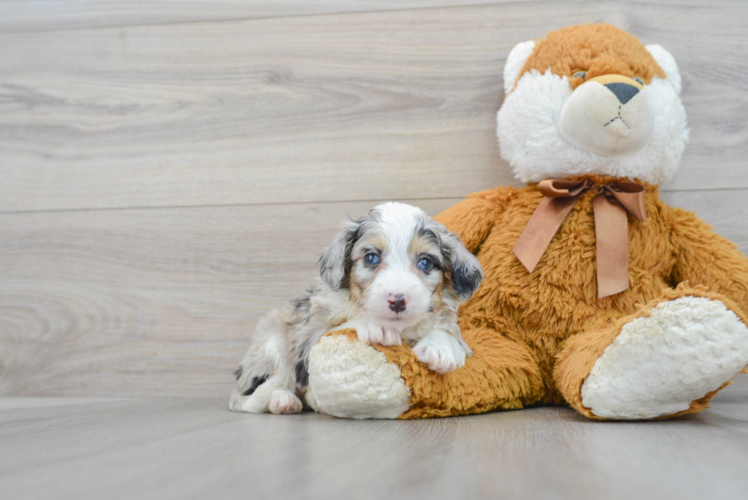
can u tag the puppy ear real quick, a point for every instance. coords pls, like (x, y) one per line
(464, 269)
(335, 261)
(667, 62)
(514, 63)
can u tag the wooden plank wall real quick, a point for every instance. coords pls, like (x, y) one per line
(171, 170)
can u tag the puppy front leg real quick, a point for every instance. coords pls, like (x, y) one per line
(440, 351)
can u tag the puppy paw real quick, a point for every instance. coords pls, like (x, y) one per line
(390, 336)
(282, 402)
(440, 352)
(372, 333)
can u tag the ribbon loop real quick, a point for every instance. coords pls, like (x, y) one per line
(631, 196)
(560, 188)
(611, 227)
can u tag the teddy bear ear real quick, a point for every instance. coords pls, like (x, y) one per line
(514, 63)
(667, 62)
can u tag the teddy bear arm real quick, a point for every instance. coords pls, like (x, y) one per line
(473, 218)
(348, 378)
(705, 258)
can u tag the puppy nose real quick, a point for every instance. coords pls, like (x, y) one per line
(623, 91)
(397, 302)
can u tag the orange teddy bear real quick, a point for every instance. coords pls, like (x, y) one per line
(596, 293)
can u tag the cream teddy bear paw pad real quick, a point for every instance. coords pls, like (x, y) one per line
(351, 379)
(659, 364)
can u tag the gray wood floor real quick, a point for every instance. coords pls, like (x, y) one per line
(85, 448)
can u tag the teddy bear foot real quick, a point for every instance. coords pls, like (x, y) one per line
(669, 362)
(350, 379)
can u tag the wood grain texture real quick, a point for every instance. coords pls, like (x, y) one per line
(193, 448)
(170, 171)
(395, 104)
(55, 15)
(151, 301)
(139, 302)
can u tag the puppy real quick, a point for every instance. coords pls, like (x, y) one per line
(394, 274)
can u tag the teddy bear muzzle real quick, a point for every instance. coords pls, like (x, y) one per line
(609, 115)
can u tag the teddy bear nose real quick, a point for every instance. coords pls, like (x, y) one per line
(623, 91)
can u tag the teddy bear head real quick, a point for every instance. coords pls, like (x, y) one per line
(592, 99)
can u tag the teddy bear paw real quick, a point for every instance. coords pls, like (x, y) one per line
(351, 379)
(659, 364)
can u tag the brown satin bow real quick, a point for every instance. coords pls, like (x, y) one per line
(611, 227)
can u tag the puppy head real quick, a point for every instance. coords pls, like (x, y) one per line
(399, 263)
(592, 99)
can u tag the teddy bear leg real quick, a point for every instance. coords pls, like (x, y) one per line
(348, 378)
(669, 358)
(351, 379)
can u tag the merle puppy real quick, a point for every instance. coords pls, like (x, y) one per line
(393, 275)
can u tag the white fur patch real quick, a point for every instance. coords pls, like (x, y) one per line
(530, 139)
(659, 364)
(284, 402)
(354, 380)
(374, 333)
(667, 62)
(514, 63)
(440, 351)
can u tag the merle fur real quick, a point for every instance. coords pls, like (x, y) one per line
(256, 382)
(336, 261)
(465, 272)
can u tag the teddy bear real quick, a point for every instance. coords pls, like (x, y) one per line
(597, 294)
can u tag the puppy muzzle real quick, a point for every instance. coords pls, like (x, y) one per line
(609, 115)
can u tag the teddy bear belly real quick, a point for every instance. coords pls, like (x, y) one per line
(556, 303)
(544, 319)
(559, 298)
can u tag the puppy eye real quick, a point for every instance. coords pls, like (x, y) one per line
(580, 74)
(425, 265)
(371, 259)
(637, 79)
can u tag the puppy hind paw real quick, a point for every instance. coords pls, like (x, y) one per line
(284, 402)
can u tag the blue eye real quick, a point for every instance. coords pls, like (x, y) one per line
(580, 74)
(425, 265)
(637, 79)
(371, 259)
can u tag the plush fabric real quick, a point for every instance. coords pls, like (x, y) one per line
(531, 131)
(536, 336)
(662, 348)
(598, 49)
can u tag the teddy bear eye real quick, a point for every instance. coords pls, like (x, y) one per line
(580, 74)
(637, 79)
